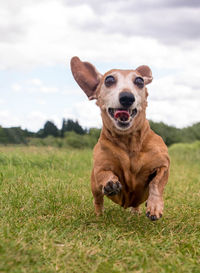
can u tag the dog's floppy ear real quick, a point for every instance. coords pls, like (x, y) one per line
(146, 73)
(86, 76)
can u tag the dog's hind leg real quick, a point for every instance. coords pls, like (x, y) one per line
(155, 202)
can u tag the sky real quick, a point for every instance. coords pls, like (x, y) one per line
(39, 37)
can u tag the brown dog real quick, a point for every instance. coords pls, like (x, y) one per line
(131, 162)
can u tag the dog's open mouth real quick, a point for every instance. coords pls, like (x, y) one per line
(123, 117)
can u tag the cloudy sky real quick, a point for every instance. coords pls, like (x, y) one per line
(39, 37)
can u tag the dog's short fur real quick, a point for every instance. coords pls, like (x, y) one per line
(131, 162)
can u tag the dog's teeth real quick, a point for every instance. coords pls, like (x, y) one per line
(123, 120)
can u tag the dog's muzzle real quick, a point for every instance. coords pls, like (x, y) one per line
(122, 116)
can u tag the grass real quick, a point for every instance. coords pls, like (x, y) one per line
(47, 222)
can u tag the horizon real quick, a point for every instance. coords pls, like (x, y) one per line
(88, 128)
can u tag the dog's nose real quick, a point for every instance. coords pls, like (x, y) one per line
(126, 99)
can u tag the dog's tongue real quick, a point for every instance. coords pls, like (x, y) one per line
(123, 115)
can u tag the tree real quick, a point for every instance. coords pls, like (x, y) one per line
(3, 136)
(13, 135)
(50, 129)
(70, 125)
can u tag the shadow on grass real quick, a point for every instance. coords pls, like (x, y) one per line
(124, 222)
(118, 219)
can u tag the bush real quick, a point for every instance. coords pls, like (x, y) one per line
(71, 139)
(13, 135)
(94, 132)
(169, 134)
(47, 141)
(79, 141)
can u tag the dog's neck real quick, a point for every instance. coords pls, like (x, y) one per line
(130, 142)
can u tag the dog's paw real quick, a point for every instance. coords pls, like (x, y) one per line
(154, 209)
(112, 188)
(136, 210)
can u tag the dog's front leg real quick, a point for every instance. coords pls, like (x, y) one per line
(155, 202)
(104, 183)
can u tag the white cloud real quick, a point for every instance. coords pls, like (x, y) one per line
(41, 102)
(87, 113)
(47, 89)
(168, 88)
(33, 121)
(36, 119)
(16, 87)
(180, 113)
(35, 81)
(53, 33)
(73, 90)
(34, 86)
(190, 78)
(173, 102)
(7, 119)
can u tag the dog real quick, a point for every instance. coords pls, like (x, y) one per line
(131, 162)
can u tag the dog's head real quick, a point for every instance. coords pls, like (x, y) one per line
(121, 94)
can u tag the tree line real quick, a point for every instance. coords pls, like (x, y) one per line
(74, 135)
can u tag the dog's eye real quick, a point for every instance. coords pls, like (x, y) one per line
(109, 80)
(139, 82)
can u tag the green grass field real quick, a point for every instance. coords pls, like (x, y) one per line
(47, 223)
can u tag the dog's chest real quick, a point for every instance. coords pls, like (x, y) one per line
(133, 175)
(133, 169)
